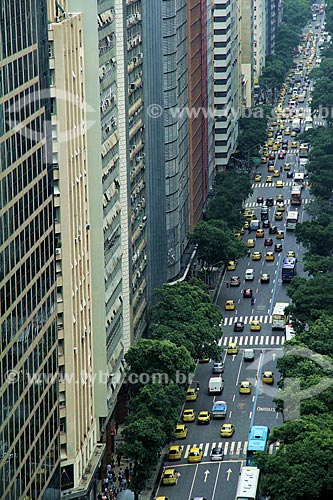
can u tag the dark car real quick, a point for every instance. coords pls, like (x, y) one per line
(268, 242)
(281, 155)
(272, 230)
(260, 199)
(247, 293)
(270, 163)
(271, 156)
(278, 247)
(285, 146)
(234, 281)
(269, 202)
(238, 326)
(290, 175)
(217, 453)
(266, 223)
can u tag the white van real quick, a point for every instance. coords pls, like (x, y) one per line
(249, 274)
(215, 385)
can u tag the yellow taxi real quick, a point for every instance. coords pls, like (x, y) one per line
(276, 173)
(279, 184)
(270, 142)
(281, 127)
(275, 147)
(287, 131)
(188, 415)
(294, 144)
(265, 151)
(257, 178)
(260, 233)
(286, 167)
(256, 255)
(204, 359)
(269, 179)
(280, 234)
(269, 134)
(175, 452)
(293, 134)
(255, 325)
(269, 256)
(229, 305)
(227, 430)
(241, 231)
(280, 206)
(267, 377)
(270, 168)
(195, 455)
(291, 253)
(250, 243)
(232, 265)
(238, 236)
(204, 417)
(245, 387)
(263, 159)
(191, 394)
(181, 431)
(232, 348)
(170, 476)
(161, 498)
(279, 197)
(278, 215)
(250, 217)
(246, 224)
(273, 123)
(265, 278)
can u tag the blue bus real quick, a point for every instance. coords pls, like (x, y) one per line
(257, 441)
(288, 269)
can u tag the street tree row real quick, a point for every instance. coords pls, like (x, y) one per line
(184, 326)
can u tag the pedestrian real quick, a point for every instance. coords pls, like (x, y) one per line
(108, 468)
(118, 459)
(227, 284)
(110, 476)
(112, 463)
(127, 471)
(123, 484)
(120, 478)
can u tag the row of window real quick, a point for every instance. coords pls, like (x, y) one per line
(18, 25)
(45, 426)
(18, 283)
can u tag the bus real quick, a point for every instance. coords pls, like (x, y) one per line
(248, 483)
(292, 219)
(279, 317)
(299, 178)
(296, 195)
(289, 333)
(288, 269)
(257, 441)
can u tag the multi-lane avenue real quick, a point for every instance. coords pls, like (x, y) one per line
(218, 480)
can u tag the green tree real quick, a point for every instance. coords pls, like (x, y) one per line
(314, 264)
(311, 297)
(216, 243)
(159, 358)
(316, 235)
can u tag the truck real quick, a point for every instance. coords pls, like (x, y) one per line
(219, 409)
(254, 225)
(215, 385)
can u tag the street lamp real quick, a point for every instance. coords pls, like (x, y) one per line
(248, 153)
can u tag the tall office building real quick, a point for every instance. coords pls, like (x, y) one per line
(210, 94)
(29, 410)
(226, 79)
(80, 453)
(113, 56)
(259, 38)
(247, 51)
(174, 30)
(198, 101)
(271, 25)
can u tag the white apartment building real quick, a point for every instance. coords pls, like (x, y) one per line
(79, 452)
(226, 79)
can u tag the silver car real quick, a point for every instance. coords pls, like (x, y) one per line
(217, 453)
(218, 367)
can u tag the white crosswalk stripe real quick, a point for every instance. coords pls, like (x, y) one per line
(268, 184)
(251, 340)
(247, 319)
(238, 448)
(254, 204)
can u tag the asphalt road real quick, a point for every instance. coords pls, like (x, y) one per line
(218, 480)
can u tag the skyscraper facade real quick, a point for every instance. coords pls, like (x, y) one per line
(226, 79)
(29, 413)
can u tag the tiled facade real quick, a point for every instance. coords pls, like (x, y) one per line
(29, 413)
